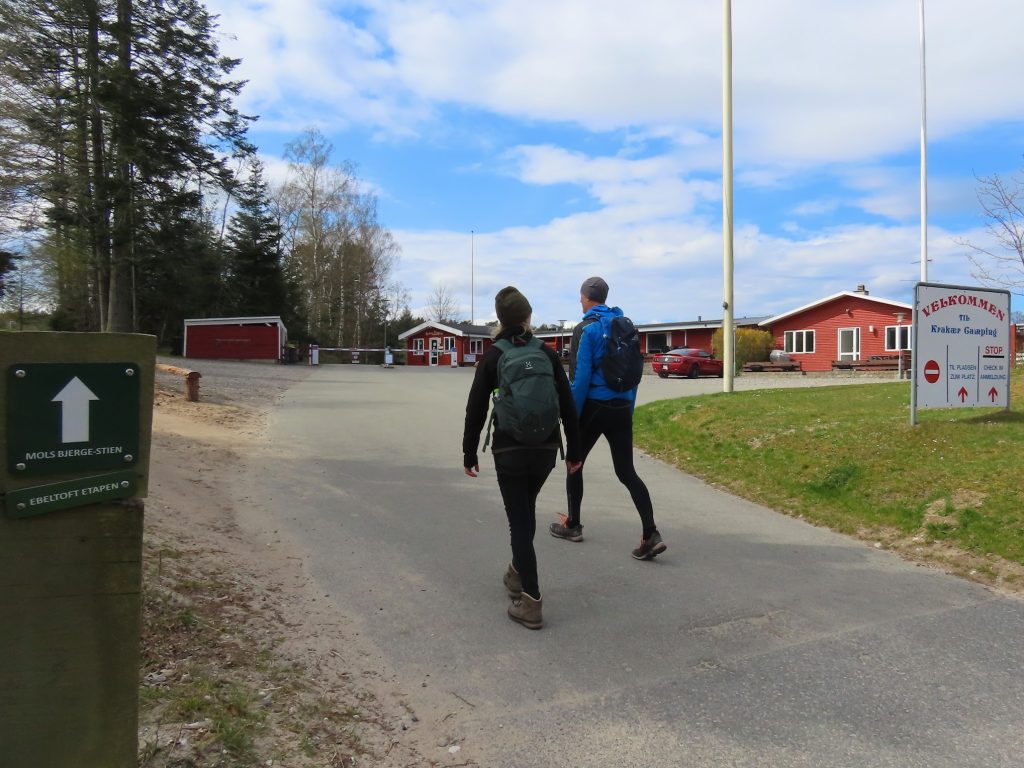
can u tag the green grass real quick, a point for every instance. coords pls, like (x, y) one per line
(847, 457)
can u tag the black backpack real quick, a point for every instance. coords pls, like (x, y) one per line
(622, 363)
(526, 400)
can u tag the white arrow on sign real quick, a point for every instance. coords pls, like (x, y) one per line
(74, 400)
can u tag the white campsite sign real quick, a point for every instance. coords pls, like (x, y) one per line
(961, 347)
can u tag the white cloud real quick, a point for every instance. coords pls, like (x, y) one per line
(816, 207)
(665, 270)
(828, 90)
(823, 81)
(307, 65)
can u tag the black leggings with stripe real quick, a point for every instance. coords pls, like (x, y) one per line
(614, 420)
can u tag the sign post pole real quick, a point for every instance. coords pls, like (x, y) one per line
(76, 439)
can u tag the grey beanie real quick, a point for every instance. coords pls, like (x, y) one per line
(511, 307)
(595, 289)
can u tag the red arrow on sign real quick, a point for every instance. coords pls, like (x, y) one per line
(962, 394)
(993, 393)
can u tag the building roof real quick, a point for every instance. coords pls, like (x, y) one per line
(458, 329)
(264, 320)
(684, 325)
(833, 297)
(689, 325)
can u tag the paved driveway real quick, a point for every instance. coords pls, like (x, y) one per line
(756, 640)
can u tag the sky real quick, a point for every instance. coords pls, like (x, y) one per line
(538, 142)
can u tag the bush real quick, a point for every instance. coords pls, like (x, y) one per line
(751, 345)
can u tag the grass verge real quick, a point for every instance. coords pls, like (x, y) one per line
(215, 690)
(847, 458)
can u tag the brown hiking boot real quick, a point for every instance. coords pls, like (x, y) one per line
(513, 582)
(526, 611)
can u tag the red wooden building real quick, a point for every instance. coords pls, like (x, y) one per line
(435, 343)
(235, 338)
(841, 328)
(847, 326)
(661, 337)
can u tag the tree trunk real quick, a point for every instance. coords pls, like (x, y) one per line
(119, 305)
(100, 212)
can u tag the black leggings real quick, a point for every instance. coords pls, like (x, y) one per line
(614, 420)
(521, 474)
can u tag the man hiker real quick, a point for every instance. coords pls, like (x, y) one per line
(603, 411)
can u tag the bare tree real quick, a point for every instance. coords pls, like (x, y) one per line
(442, 304)
(334, 247)
(1001, 202)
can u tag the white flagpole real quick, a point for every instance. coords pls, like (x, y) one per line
(924, 156)
(728, 334)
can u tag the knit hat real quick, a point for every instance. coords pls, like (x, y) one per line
(512, 307)
(595, 289)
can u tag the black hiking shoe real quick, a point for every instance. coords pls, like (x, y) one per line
(568, 532)
(650, 548)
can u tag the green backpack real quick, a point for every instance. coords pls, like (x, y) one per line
(526, 401)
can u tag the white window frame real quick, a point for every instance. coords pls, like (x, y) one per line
(853, 355)
(417, 345)
(789, 342)
(904, 330)
(449, 343)
(476, 346)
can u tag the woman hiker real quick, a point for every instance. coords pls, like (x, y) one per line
(529, 404)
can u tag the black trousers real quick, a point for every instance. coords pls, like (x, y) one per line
(614, 420)
(521, 474)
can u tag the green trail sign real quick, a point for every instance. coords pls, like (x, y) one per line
(72, 417)
(26, 502)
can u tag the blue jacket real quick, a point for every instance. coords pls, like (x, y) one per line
(588, 381)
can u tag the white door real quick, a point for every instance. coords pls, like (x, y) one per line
(849, 343)
(435, 349)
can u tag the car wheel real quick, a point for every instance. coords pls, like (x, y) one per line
(662, 375)
(694, 371)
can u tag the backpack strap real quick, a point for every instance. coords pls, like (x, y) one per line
(504, 345)
(604, 342)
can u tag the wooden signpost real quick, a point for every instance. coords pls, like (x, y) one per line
(76, 440)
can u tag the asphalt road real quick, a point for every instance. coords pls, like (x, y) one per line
(755, 640)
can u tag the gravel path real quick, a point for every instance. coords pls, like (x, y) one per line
(248, 383)
(260, 384)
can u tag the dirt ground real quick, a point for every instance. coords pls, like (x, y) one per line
(242, 665)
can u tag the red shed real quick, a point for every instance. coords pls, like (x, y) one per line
(434, 343)
(235, 338)
(846, 326)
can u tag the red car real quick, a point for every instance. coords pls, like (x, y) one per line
(687, 362)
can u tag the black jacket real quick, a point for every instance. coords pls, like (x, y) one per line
(486, 381)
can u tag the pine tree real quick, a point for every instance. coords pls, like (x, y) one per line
(116, 113)
(255, 285)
